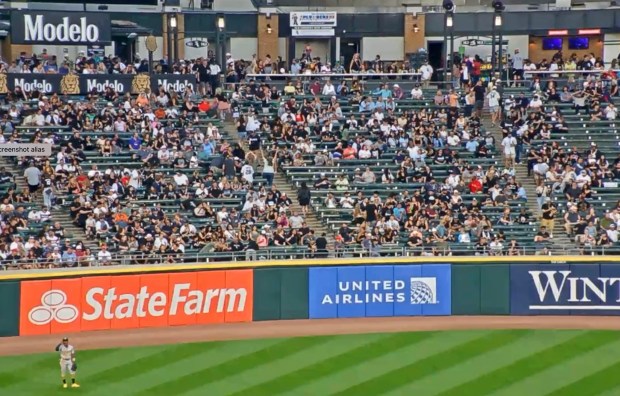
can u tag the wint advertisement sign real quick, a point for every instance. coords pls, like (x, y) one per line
(575, 289)
(62, 28)
(380, 291)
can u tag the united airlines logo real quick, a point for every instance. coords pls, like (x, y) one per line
(423, 291)
(415, 290)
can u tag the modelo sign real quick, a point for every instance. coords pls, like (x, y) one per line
(575, 289)
(135, 301)
(49, 27)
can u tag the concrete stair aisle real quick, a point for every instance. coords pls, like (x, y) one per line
(561, 243)
(58, 214)
(312, 218)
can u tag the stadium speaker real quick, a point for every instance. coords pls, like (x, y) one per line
(206, 4)
(448, 5)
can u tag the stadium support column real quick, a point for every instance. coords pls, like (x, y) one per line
(448, 32)
(220, 56)
(497, 60)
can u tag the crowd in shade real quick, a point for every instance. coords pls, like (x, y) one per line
(155, 178)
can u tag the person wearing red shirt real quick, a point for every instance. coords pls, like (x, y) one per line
(204, 106)
(475, 186)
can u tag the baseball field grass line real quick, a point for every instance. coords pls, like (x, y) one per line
(462, 373)
(361, 371)
(133, 367)
(549, 380)
(178, 368)
(234, 384)
(332, 365)
(202, 377)
(594, 384)
(420, 369)
(530, 365)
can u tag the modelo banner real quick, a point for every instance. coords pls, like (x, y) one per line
(382, 290)
(62, 28)
(135, 301)
(565, 289)
(82, 84)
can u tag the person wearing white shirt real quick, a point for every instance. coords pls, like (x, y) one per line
(536, 103)
(611, 112)
(528, 67)
(583, 178)
(364, 153)
(329, 89)
(494, 98)
(517, 66)
(247, 173)
(427, 72)
(509, 143)
(416, 93)
(181, 179)
(453, 140)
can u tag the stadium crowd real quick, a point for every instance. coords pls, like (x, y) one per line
(172, 182)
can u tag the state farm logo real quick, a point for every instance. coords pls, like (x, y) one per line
(53, 307)
(107, 303)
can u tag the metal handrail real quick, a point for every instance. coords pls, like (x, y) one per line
(293, 252)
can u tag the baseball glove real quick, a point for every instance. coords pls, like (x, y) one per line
(74, 367)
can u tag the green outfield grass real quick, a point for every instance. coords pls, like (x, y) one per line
(458, 363)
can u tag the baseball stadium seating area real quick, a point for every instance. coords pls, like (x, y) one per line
(165, 197)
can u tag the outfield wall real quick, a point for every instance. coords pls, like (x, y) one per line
(121, 298)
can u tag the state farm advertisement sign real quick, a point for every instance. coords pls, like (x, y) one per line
(66, 28)
(135, 301)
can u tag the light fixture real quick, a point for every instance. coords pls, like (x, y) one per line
(589, 31)
(173, 21)
(498, 20)
(268, 29)
(416, 28)
(557, 32)
(449, 21)
(221, 22)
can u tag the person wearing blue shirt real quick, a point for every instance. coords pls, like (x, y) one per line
(135, 142)
(207, 148)
(365, 106)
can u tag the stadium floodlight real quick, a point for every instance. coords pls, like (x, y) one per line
(498, 20)
(449, 20)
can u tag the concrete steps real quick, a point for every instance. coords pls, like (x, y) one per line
(561, 243)
(60, 215)
(312, 218)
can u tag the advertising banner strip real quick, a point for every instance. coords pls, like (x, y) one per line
(60, 28)
(565, 289)
(135, 301)
(370, 291)
(82, 84)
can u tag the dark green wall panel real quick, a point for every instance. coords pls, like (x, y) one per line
(267, 294)
(9, 309)
(294, 293)
(494, 289)
(465, 290)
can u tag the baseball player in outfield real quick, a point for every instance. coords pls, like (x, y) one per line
(67, 362)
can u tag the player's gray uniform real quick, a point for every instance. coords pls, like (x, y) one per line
(66, 361)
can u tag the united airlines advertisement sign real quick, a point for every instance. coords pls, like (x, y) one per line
(575, 289)
(384, 290)
(65, 28)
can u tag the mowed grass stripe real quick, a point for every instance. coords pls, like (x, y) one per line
(44, 368)
(129, 367)
(532, 364)
(177, 368)
(333, 365)
(572, 370)
(208, 375)
(462, 373)
(237, 384)
(594, 384)
(432, 364)
(362, 371)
